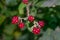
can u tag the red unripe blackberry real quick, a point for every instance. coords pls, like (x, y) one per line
(21, 25)
(36, 30)
(41, 23)
(25, 1)
(31, 18)
(15, 19)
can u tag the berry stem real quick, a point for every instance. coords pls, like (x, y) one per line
(36, 23)
(20, 19)
(27, 8)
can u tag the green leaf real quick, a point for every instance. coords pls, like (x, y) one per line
(58, 15)
(11, 13)
(8, 37)
(34, 11)
(52, 23)
(9, 29)
(21, 8)
(35, 1)
(8, 13)
(17, 35)
(11, 2)
(23, 37)
(40, 16)
(2, 18)
(1, 6)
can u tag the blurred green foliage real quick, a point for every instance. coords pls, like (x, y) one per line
(47, 10)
